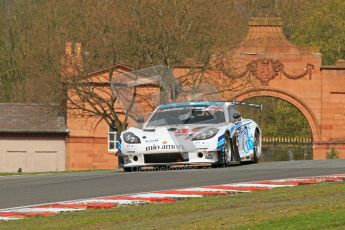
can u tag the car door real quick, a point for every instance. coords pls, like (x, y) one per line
(238, 136)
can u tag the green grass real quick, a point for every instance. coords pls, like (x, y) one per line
(305, 207)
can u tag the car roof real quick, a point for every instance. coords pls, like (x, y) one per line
(198, 103)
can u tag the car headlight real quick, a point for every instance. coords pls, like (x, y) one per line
(207, 134)
(131, 138)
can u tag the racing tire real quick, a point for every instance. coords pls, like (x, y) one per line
(127, 169)
(256, 147)
(228, 156)
(217, 165)
(131, 169)
(234, 148)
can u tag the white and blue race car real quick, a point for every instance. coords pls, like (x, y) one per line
(191, 133)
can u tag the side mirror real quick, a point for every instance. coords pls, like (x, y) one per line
(236, 116)
(141, 119)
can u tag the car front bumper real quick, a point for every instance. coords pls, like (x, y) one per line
(170, 158)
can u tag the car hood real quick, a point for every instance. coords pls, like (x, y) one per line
(159, 132)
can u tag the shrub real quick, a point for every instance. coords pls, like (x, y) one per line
(332, 154)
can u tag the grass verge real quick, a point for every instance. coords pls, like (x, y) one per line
(305, 207)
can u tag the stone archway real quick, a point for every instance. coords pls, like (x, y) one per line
(277, 68)
(286, 96)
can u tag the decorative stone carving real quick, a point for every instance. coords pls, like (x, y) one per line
(266, 69)
(308, 71)
(263, 69)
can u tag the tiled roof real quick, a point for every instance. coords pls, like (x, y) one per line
(31, 118)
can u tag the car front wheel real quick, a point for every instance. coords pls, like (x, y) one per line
(227, 150)
(257, 146)
(131, 169)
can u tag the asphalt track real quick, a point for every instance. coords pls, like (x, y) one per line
(45, 188)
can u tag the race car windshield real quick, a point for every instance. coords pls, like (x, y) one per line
(190, 114)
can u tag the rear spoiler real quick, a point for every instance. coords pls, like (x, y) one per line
(257, 106)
